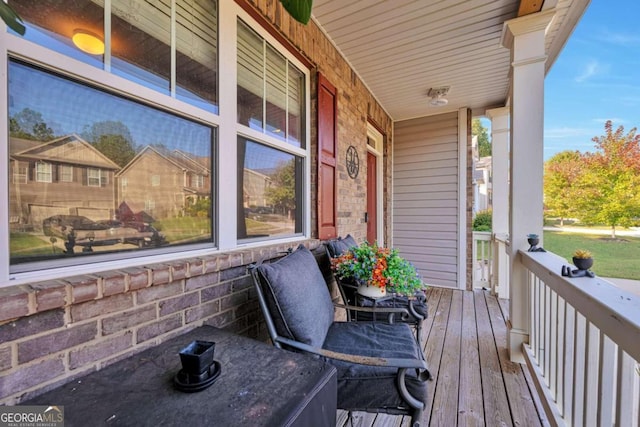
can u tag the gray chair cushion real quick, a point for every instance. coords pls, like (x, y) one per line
(292, 282)
(349, 241)
(359, 386)
(340, 245)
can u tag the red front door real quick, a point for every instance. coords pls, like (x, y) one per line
(372, 198)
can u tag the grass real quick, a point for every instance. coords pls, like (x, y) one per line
(183, 229)
(618, 258)
(26, 244)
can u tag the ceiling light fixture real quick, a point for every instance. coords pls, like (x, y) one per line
(437, 95)
(88, 42)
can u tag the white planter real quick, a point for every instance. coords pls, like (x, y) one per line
(371, 291)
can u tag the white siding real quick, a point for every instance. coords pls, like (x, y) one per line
(425, 196)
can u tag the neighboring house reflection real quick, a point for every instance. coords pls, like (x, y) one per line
(163, 182)
(64, 176)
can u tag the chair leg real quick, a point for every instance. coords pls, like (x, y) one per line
(416, 418)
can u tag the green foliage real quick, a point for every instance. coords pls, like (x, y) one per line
(29, 124)
(11, 18)
(482, 221)
(563, 175)
(282, 194)
(300, 10)
(113, 139)
(380, 267)
(609, 188)
(484, 144)
(201, 208)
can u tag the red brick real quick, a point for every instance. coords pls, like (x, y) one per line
(5, 358)
(83, 288)
(202, 281)
(114, 283)
(202, 311)
(50, 295)
(102, 350)
(138, 278)
(30, 376)
(179, 303)
(224, 262)
(211, 264)
(160, 273)
(31, 325)
(221, 320)
(102, 306)
(128, 319)
(235, 259)
(196, 267)
(148, 332)
(179, 270)
(155, 293)
(14, 302)
(48, 344)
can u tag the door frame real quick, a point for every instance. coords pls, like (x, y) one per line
(377, 137)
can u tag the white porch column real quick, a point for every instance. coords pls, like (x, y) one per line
(500, 194)
(525, 37)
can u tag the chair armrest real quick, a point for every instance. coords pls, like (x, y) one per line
(391, 310)
(354, 358)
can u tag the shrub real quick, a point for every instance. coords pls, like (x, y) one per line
(482, 221)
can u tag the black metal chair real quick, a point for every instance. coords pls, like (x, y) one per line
(381, 367)
(416, 307)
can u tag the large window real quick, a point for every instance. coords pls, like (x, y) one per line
(98, 135)
(130, 150)
(271, 99)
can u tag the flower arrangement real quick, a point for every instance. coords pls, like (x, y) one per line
(378, 266)
(582, 254)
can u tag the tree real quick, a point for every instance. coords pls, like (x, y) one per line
(610, 187)
(562, 176)
(484, 144)
(29, 124)
(113, 139)
(282, 194)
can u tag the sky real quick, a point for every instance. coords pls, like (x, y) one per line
(595, 78)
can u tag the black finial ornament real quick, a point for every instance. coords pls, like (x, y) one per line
(353, 162)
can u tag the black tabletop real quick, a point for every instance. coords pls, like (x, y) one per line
(259, 385)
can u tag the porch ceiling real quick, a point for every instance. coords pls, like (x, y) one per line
(401, 48)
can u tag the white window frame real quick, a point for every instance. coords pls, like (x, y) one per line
(45, 175)
(225, 155)
(20, 173)
(67, 175)
(198, 180)
(93, 174)
(155, 180)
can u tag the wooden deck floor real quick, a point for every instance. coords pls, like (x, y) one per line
(475, 383)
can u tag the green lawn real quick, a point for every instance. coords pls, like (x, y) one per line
(619, 258)
(22, 244)
(183, 229)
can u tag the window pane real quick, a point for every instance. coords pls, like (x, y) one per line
(197, 52)
(295, 134)
(250, 77)
(270, 185)
(52, 23)
(276, 71)
(112, 148)
(141, 41)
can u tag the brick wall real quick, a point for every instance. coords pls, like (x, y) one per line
(53, 332)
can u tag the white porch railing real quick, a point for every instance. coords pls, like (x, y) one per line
(482, 255)
(584, 346)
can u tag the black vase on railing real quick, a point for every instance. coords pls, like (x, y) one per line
(533, 240)
(583, 263)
